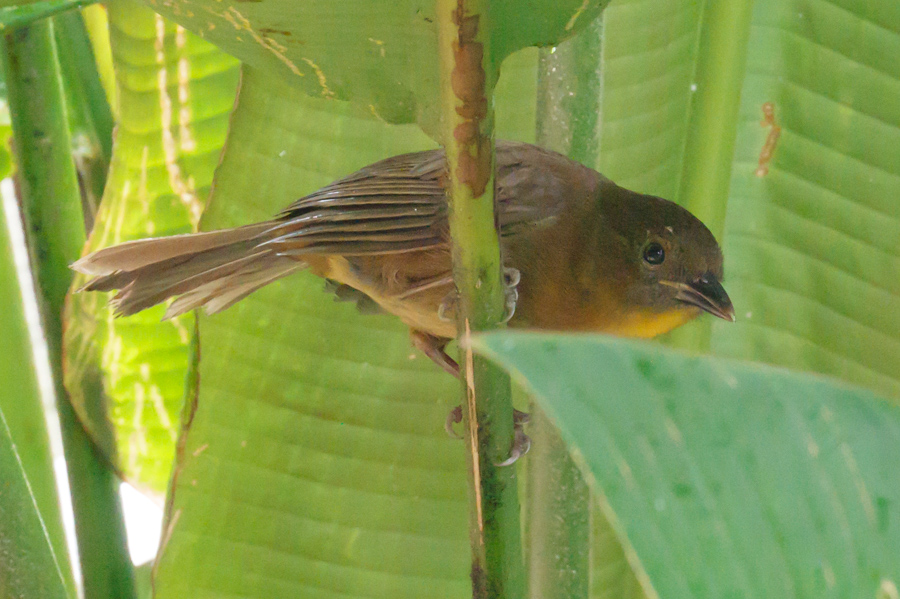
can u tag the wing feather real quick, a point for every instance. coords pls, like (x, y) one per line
(399, 204)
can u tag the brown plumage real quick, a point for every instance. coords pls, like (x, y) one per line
(592, 255)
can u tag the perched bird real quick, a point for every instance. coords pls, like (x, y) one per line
(580, 253)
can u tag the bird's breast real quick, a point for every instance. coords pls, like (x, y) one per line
(645, 324)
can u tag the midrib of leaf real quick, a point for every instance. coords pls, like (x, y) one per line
(167, 144)
(711, 118)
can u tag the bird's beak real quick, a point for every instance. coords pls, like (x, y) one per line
(707, 294)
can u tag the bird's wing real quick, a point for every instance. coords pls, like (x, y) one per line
(399, 204)
(396, 205)
(535, 187)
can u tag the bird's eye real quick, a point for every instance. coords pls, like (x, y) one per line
(654, 254)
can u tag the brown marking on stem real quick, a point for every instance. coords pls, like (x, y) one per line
(765, 155)
(468, 81)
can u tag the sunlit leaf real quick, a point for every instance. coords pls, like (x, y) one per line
(175, 93)
(382, 56)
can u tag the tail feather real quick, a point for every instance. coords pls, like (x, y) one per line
(131, 255)
(213, 269)
(220, 294)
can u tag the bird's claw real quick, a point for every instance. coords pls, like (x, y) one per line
(520, 418)
(447, 309)
(511, 278)
(521, 441)
(454, 417)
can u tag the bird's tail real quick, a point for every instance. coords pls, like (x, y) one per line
(213, 270)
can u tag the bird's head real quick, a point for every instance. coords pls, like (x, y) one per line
(673, 266)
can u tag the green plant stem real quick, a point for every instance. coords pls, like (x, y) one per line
(720, 74)
(51, 206)
(559, 532)
(559, 522)
(467, 81)
(90, 119)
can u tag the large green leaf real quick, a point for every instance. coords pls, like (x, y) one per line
(812, 258)
(814, 245)
(315, 452)
(651, 95)
(382, 56)
(724, 478)
(175, 92)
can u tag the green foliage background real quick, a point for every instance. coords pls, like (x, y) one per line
(311, 449)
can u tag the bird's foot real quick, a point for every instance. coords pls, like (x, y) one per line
(447, 309)
(511, 278)
(521, 445)
(454, 417)
(521, 442)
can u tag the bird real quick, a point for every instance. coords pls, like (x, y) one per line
(579, 252)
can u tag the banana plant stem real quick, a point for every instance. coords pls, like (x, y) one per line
(558, 504)
(467, 81)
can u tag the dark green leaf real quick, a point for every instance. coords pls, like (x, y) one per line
(724, 478)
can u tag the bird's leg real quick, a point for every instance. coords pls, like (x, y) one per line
(433, 347)
(522, 442)
(447, 309)
(454, 417)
